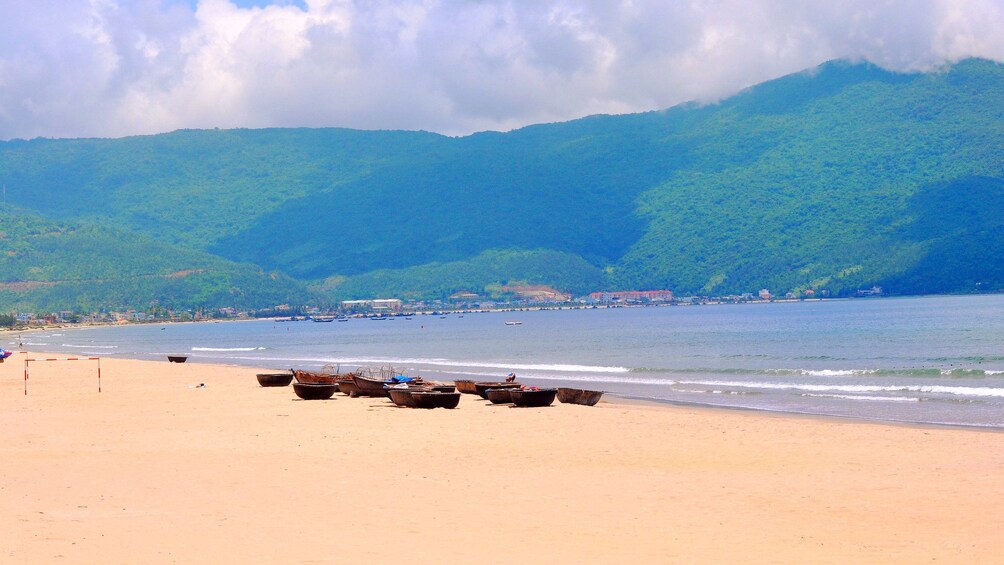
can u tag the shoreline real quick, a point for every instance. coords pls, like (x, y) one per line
(157, 469)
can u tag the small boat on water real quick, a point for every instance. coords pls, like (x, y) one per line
(323, 320)
(177, 358)
(533, 397)
(275, 379)
(579, 396)
(314, 391)
(433, 399)
(513, 323)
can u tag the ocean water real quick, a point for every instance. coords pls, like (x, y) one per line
(930, 360)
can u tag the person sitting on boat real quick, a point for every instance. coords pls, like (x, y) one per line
(510, 378)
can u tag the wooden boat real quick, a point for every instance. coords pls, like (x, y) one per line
(275, 379)
(533, 398)
(579, 396)
(499, 395)
(316, 377)
(431, 399)
(466, 386)
(482, 387)
(348, 386)
(177, 358)
(370, 387)
(401, 396)
(314, 391)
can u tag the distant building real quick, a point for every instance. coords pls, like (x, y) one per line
(873, 291)
(633, 296)
(379, 305)
(538, 293)
(764, 294)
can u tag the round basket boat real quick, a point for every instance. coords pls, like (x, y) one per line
(579, 396)
(499, 395)
(177, 358)
(482, 387)
(275, 379)
(311, 391)
(401, 397)
(533, 398)
(466, 386)
(432, 399)
(348, 386)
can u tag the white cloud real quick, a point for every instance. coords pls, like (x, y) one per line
(119, 67)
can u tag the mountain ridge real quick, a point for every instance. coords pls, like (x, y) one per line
(816, 180)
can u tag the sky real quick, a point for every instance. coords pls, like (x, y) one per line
(112, 68)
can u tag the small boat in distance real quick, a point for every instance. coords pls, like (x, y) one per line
(177, 358)
(513, 323)
(323, 319)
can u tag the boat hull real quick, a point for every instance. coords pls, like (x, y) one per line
(579, 396)
(431, 399)
(499, 395)
(482, 387)
(313, 377)
(275, 379)
(533, 398)
(313, 391)
(466, 386)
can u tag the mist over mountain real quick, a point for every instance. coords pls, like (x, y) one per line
(838, 178)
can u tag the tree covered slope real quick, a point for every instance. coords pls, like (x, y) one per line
(838, 178)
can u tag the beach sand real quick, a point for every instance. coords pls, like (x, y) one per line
(155, 470)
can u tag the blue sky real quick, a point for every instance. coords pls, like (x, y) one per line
(107, 68)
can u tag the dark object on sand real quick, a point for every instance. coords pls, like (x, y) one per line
(531, 398)
(370, 387)
(177, 358)
(430, 399)
(314, 377)
(466, 386)
(499, 395)
(348, 386)
(579, 396)
(402, 396)
(312, 391)
(482, 388)
(275, 379)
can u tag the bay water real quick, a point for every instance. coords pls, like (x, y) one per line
(937, 360)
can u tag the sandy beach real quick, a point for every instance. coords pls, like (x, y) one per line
(155, 469)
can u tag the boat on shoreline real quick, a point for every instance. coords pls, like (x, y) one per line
(275, 379)
(435, 399)
(481, 388)
(316, 377)
(579, 396)
(533, 397)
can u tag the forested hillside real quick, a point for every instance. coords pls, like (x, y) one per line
(839, 178)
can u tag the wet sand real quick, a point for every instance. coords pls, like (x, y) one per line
(154, 469)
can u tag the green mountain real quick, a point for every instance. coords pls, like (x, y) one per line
(58, 266)
(840, 178)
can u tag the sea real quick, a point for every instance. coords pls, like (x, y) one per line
(931, 360)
